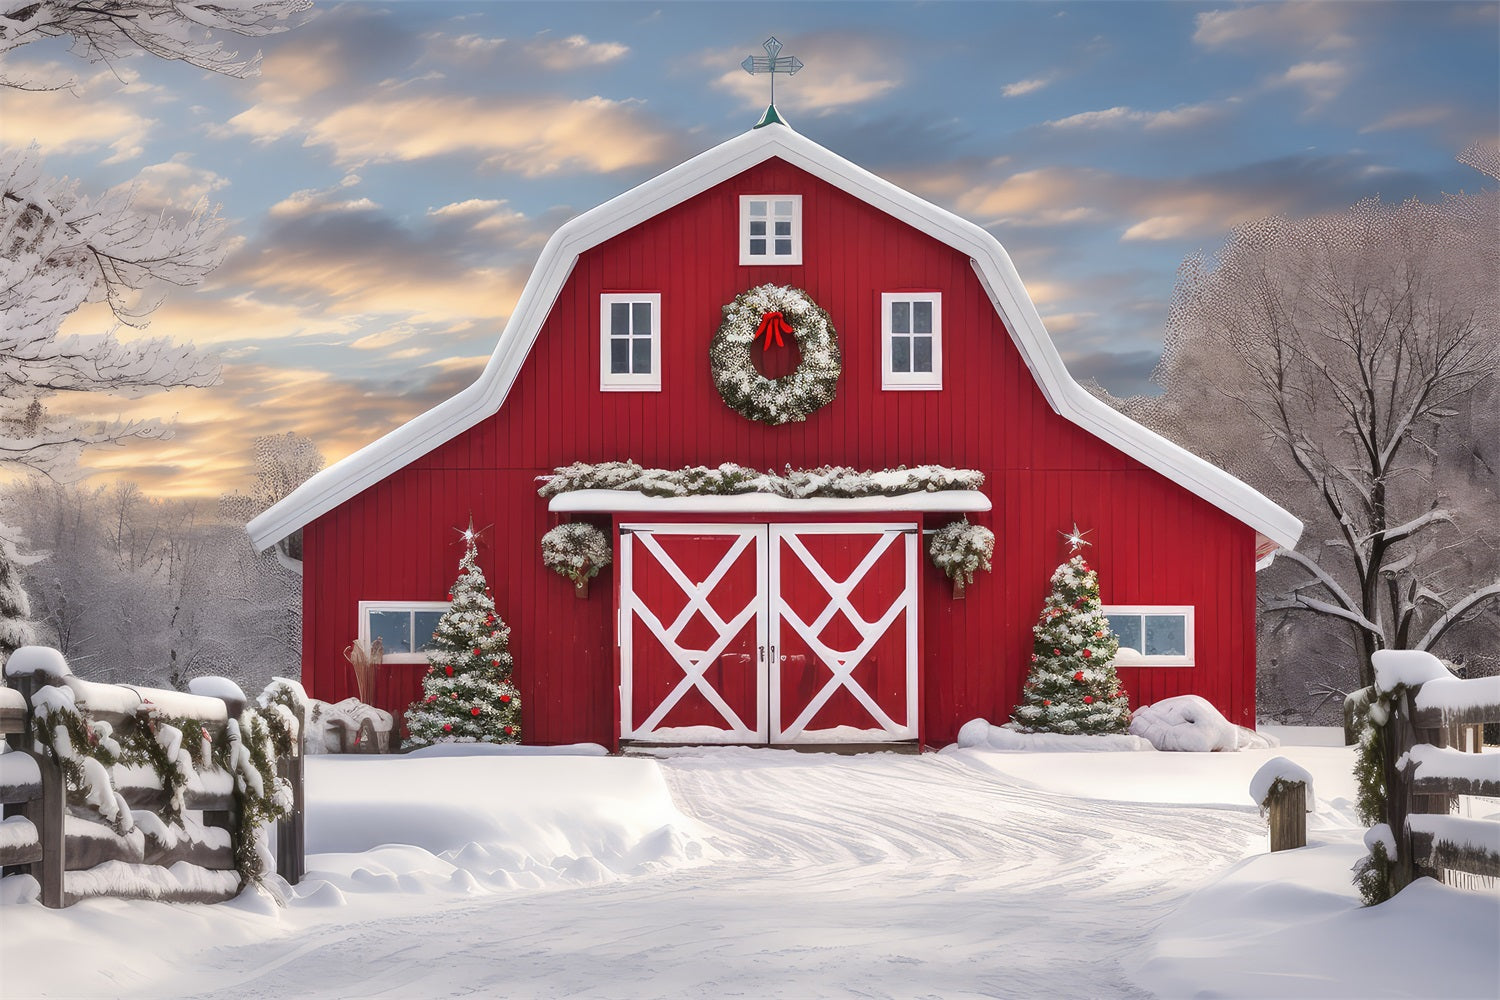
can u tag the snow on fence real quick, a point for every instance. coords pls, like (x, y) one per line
(1429, 711)
(145, 793)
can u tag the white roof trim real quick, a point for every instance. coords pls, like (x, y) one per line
(636, 502)
(412, 440)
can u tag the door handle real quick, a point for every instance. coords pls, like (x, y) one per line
(762, 653)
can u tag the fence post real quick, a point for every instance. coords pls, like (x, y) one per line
(48, 813)
(1287, 805)
(291, 830)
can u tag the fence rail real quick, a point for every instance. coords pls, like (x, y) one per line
(1433, 716)
(70, 848)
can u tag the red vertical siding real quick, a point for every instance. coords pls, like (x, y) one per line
(1154, 543)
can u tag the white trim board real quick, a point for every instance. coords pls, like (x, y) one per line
(633, 502)
(374, 462)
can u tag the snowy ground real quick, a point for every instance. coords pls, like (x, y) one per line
(762, 873)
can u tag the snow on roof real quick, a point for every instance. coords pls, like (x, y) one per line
(368, 466)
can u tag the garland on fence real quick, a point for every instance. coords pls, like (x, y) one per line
(1374, 872)
(770, 311)
(85, 749)
(736, 480)
(577, 551)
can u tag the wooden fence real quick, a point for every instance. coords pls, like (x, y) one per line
(74, 854)
(1426, 768)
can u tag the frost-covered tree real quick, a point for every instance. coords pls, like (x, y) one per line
(15, 608)
(283, 462)
(186, 30)
(1347, 365)
(467, 696)
(1071, 686)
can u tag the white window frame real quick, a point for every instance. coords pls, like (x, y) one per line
(1142, 660)
(918, 381)
(629, 381)
(795, 257)
(365, 607)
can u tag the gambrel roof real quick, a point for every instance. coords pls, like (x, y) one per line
(369, 465)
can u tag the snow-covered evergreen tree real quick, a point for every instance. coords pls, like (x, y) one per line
(467, 696)
(15, 609)
(1072, 686)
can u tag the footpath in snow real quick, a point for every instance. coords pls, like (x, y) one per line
(755, 873)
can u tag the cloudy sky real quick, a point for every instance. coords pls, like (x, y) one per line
(393, 173)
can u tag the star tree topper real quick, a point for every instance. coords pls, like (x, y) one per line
(1075, 538)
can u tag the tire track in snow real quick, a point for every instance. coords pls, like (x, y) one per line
(874, 876)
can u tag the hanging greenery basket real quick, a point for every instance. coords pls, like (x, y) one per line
(769, 311)
(960, 548)
(577, 551)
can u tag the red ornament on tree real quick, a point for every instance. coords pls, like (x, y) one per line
(447, 727)
(474, 710)
(494, 663)
(1056, 652)
(505, 699)
(1088, 654)
(1047, 702)
(1088, 699)
(510, 731)
(448, 670)
(1078, 677)
(431, 698)
(478, 651)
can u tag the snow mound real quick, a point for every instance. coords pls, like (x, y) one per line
(979, 734)
(509, 750)
(487, 818)
(1280, 769)
(1405, 667)
(1190, 723)
(37, 660)
(216, 687)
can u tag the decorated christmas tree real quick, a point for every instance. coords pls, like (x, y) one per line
(467, 696)
(1072, 686)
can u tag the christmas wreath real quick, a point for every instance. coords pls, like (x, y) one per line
(771, 311)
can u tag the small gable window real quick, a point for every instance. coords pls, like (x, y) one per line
(771, 229)
(1152, 636)
(630, 342)
(911, 340)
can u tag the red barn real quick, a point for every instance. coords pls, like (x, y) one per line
(764, 619)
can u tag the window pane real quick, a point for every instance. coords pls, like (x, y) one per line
(619, 355)
(393, 629)
(426, 624)
(921, 317)
(783, 248)
(900, 354)
(783, 208)
(757, 248)
(757, 208)
(641, 349)
(640, 318)
(783, 229)
(1166, 635)
(619, 318)
(757, 229)
(921, 354)
(1128, 628)
(901, 317)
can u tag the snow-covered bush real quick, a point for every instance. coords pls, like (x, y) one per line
(577, 551)
(960, 548)
(1190, 723)
(733, 480)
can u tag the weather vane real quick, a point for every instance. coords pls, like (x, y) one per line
(772, 62)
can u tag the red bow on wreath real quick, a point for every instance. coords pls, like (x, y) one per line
(773, 324)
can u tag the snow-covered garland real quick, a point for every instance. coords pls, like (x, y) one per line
(735, 480)
(577, 551)
(960, 548)
(792, 397)
(85, 749)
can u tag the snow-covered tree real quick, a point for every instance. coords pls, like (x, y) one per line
(186, 30)
(1072, 686)
(15, 609)
(467, 696)
(283, 462)
(1347, 366)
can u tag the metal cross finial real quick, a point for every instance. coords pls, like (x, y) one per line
(772, 62)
